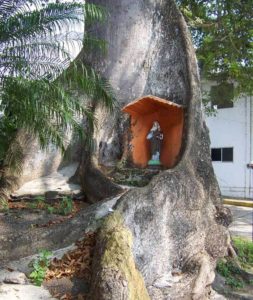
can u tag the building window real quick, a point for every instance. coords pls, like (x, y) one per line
(222, 95)
(216, 154)
(222, 154)
(227, 154)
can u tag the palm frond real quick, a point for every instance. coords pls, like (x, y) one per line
(44, 110)
(21, 37)
(11, 7)
(35, 48)
(26, 26)
(94, 13)
(11, 161)
(43, 67)
(85, 80)
(14, 157)
(32, 54)
(7, 183)
(90, 44)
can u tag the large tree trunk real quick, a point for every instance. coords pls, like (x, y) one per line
(177, 220)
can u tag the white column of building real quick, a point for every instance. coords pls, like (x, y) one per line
(250, 99)
(247, 146)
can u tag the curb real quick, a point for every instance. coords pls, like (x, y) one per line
(244, 203)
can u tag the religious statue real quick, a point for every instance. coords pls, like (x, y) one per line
(155, 136)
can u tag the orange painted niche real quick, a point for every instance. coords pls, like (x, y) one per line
(144, 111)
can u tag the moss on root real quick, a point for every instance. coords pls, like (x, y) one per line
(118, 255)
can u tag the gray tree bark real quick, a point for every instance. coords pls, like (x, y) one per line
(177, 221)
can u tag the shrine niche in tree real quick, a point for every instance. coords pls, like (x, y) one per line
(150, 114)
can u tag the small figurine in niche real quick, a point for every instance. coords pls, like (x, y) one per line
(155, 136)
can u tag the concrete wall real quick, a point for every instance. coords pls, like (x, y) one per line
(233, 127)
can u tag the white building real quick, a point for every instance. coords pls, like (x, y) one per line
(231, 134)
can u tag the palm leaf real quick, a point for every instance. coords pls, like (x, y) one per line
(90, 44)
(44, 110)
(55, 16)
(82, 78)
(32, 55)
(11, 7)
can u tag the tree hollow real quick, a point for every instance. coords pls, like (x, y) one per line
(144, 111)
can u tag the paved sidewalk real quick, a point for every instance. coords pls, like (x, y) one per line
(243, 220)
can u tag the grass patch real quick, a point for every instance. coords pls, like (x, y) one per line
(230, 270)
(65, 206)
(244, 250)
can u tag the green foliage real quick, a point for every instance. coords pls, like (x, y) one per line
(66, 206)
(39, 199)
(222, 92)
(207, 104)
(231, 272)
(4, 206)
(11, 157)
(29, 98)
(37, 203)
(235, 283)
(229, 269)
(50, 209)
(32, 205)
(40, 266)
(40, 89)
(244, 250)
(28, 33)
(223, 35)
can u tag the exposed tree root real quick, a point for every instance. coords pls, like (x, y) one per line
(115, 276)
(205, 277)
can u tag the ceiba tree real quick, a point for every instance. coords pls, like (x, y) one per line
(177, 220)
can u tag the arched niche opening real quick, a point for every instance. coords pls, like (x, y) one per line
(144, 112)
